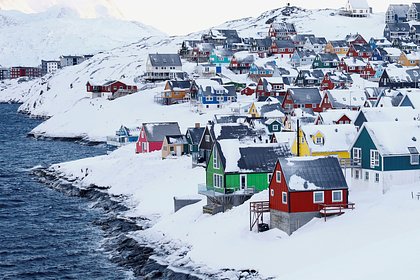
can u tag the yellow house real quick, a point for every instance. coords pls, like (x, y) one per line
(338, 47)
(324, 140)
(409, 60)
(270, 105)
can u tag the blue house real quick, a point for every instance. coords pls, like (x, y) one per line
(221, 56)
(378, 54)
(211, 94)
(123, 136)
(386, 154)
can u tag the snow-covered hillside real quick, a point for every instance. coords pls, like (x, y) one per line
(27, 38)
(55, 98)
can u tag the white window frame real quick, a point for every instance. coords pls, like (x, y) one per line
(284, 197)
(357, 174)
(318, 140)
(314, 196)
(217, 180)
(207, 138)
(215, 160)
(341, 196)
(278, 176)
(240, 181)
(414, 159)
(357, 155)
(272, 192)
(269, 176)
(275, 127)
(374, 158)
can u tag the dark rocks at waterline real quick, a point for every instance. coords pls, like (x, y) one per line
(124, 250)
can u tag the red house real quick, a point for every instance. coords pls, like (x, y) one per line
(270, 86)
(333, 81)
(368, 72)
(30, 72)
(152, 135)
(283, 48)
(309, 98)
(362, 51)
(355, 39)
(111, 87)
(301, 187)
(249, 90)
(325, 103)
(352, 65)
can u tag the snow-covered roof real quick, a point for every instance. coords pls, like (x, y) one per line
(336, 137)
(389, 114)
(347, 97)
(285, 137)
(176, 139)
(245, 158)
(408, 135)
(331, 116)
(359, 4)
(414, 98)
(354, 61)
(313, 173)
(393, 52)
(156, 132)
(159, 59)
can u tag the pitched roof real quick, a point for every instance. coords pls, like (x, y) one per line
(176, 139)
(359, 4)
(399, 27)
(305, 95)
(340, 98)
(235, 131)
(156, 132)
(339, 43)
(389, 114)
(237, 157)
(283, 44)
(326, 57)
(318, 40)
(331, 116)
(401, 10)
(175, 84)
(228, 118)
(408, 136)
(159, 59)
(337, 137)
(313, 173)
(196, 133)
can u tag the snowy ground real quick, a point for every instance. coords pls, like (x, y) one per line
(377, 240)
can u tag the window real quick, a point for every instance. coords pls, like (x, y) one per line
(215, 160)
(275, 127)
(357, 155)
(272, 192)
(318, 197)
(337, 196)
(142, 134)
(414, 156)
(356, 174)
(209, 98)
(302, 140)
(269, 176)
(367, 176)
(207, 138)
(217, 181)
(278, 176)
(376, 177)
(284, 197)
(318, 140)
(374, 158)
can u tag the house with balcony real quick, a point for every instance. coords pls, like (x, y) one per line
(397, 13)
(162, 67)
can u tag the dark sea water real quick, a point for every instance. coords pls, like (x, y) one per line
(45, 234)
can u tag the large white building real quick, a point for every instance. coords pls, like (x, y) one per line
(356, 8)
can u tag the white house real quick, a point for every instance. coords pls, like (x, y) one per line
(161, 67)
(357, 8)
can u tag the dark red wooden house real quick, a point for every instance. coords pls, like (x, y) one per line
(249, 90)
(309, 98)
(301, 187)
(110, 86)
(362, 51)
(152, 135)
(336, 80)
(355, 39)
(30, 72)
(368, 72)
(270, 86)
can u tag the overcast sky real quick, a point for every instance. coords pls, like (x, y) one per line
(185, 16)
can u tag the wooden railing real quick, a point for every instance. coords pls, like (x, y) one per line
(334, 209)
(256, 211)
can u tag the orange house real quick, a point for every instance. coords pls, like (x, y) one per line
(175, 92)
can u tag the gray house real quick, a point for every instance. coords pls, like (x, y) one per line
(162, 67)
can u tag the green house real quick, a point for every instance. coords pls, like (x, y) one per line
(242, 167)
(221, 56)
(325, 60)
(386, 154)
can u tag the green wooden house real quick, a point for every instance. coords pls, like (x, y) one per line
(221, 56)
(242, 167)
(386, 154)
(325, 60)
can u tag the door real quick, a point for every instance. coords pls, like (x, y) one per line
(243, 183)
(178, 151)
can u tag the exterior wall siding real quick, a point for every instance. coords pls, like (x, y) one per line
(259, 181)
(210, 170)
(365, 143)
(399, 163)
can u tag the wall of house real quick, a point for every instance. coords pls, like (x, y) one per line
(210, 170)
(340, 154)
(366, 144)
(399, 163)
(275, 192)
(303, 201)
(303, 147)
(259, 181)
(290, 222)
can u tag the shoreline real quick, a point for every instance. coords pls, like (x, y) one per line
(118, 229)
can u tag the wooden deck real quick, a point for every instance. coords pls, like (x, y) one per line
(334, 209)
(256, 212)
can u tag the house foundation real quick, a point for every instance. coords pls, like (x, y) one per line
(290, 222)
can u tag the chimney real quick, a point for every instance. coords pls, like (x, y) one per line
(197, 125)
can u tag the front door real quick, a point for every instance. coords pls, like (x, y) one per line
(243, 182)
(178, 151)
